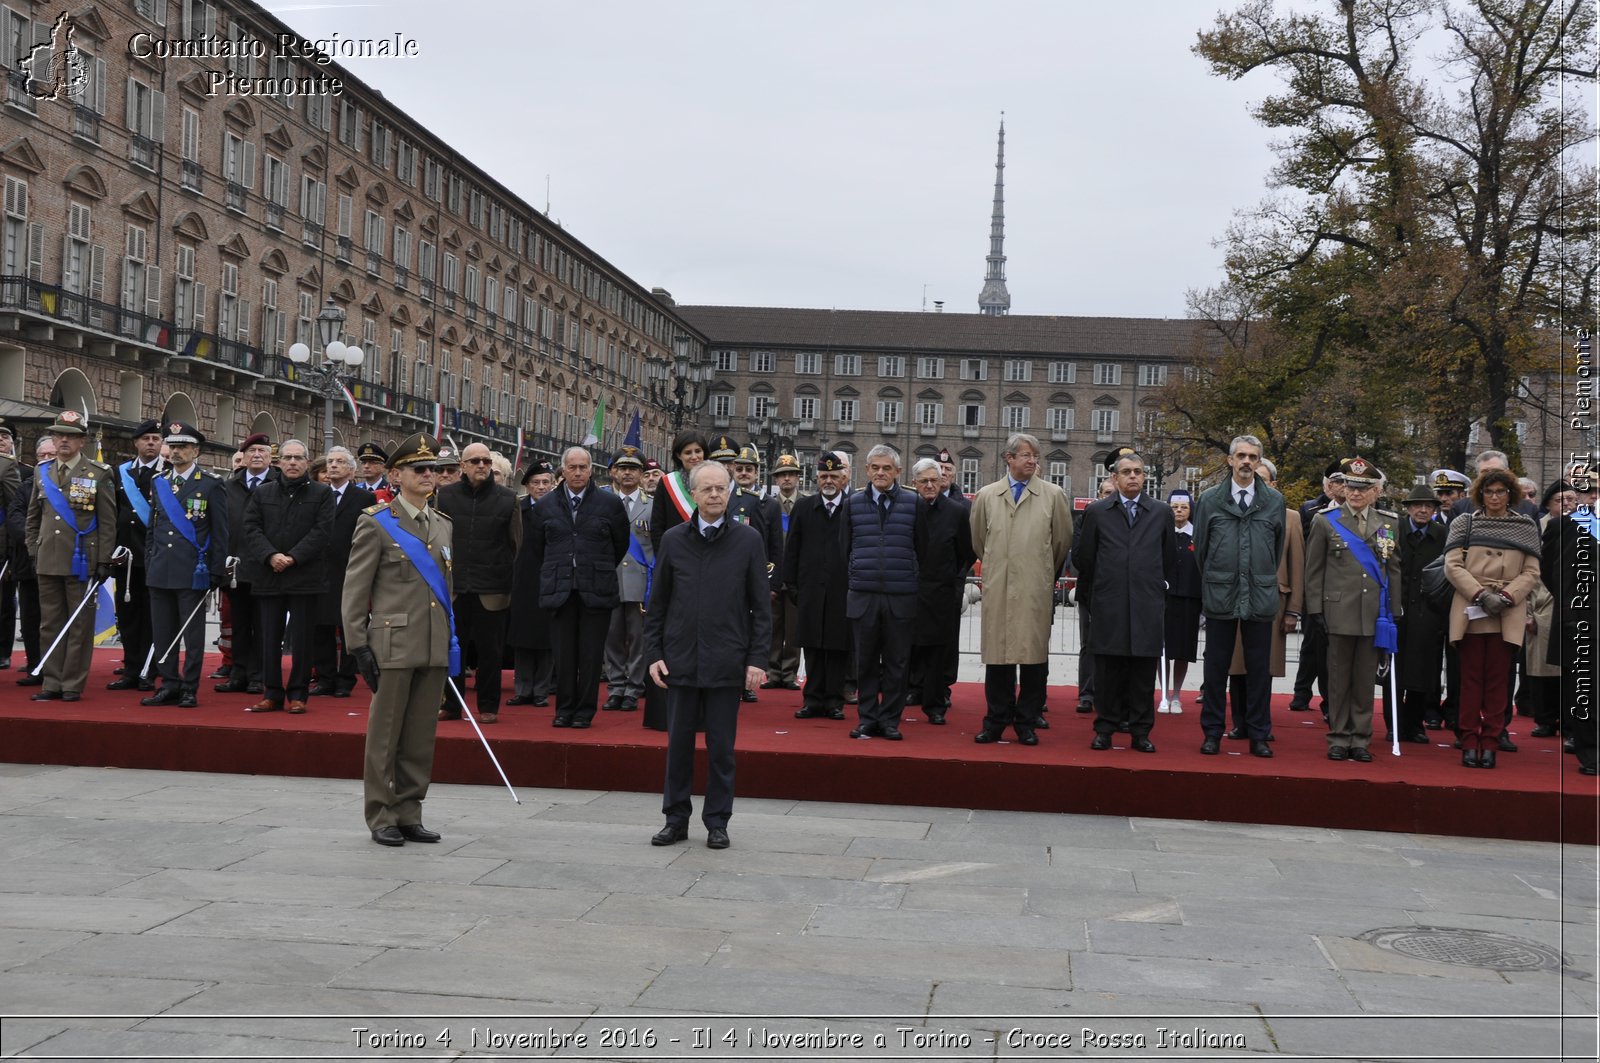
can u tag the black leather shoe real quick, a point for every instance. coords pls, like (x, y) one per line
(343, 692)
(671, 834)
(1041, 724)
(561, 721)
(772, 684)
(252, 688)
(540, 701)
(416, 832)
(580, 725)
(1569, 745)
(1211, 746)
(164, 696)
(323, 690)
(748, 696)
(1299, 706)
(1469, 758)
(1100, 741)
(1085, 707)
(864, 730)
(388, 836)
(187, 700)
(1338, 753)
(717, 838)
(47, 695)
(1588, 769)
(1237, 734)
(630, 703)
(936, 717)
(1505, 744)
(807, 714)
(222, 673)
(519, 699)
(852, 696)
(70, 695)
(1260, 749)
(983, 738)
(1144, 745)
(1418, 738)
(145, 684)
(1543, 732)
(127, 682)
(1027, 737)
(613, 703)
(835, 714)
(232, 686)
(1361, 754)
(891, 732)
(913, 697)
(31, 681)
(1486, 758)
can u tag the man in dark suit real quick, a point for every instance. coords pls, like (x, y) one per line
(1313, 667)
(706, 636)
(529, 624)
(186, 554)
(20, 588)
(941, 582)
(335, 668)
(1422, 626)
(245, 480)
(886, 538)
(579, 536)
(814, 576)
(285, 537)
(783, 663)
(1126, 561)
(133, 523)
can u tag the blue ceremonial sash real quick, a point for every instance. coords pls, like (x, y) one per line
(416, 552)
(185, 526)
(1387, 635)
(130, 487)
(785, 517)
(58, 501)
(636, 552)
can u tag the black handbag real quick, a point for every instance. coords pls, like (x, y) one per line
(1437, 590)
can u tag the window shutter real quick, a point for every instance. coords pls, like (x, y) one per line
(130, 285)
(152, 291)
(97, 272)
(199, 307)
(243, 331)
(158, 116)
(132, 106)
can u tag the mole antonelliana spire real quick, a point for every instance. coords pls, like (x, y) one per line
(994, 300)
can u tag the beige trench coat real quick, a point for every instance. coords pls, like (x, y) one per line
(1023, 545)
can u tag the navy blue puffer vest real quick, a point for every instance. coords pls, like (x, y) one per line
(883, 553)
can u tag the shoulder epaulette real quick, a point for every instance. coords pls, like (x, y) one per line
(97, 464)
(373, 511)
(1387, 513)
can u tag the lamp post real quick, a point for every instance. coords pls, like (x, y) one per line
(682, 386)
(335, 355)
(771, 434)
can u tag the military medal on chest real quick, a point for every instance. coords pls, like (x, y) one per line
(1385, 542)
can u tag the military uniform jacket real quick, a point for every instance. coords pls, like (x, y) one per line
(131, 531)
(632, 577)
(92, 497)
(387, 604)
(11, 500)
(777, 536)
(1336, 584)
(169, 560)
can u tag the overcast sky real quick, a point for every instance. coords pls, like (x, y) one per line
(841, 154)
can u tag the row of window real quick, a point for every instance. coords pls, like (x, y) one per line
(1013, 370)
(807, 408)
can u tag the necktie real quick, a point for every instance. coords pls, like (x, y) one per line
(711, 531)
(788, 504)
(1132, 506)
(1016, 492)
(574, 499)
(883, 503)
(1244, 502)
(1361, 523)
(255, 482)
(830, 508)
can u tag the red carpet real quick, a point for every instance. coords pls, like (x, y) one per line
(1534, 794)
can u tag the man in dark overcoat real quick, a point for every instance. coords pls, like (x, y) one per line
(256, 472)
(330, 656)
(185, 558)
(941, 583)
(286, 526)
(528, 632)
(815, 576)
(783, 666)
(579, 536)
(1569, 565)
(1126, 560)
(707, 633)
(1422, 626)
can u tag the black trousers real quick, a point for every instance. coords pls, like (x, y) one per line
(1313, 663)
(169, 608)
(930, 669)
(1256, 638)
(719, 709)
(282, 618)
(1013, 695)
(8, 616)
(247, 658)
(28, 617)
(578, 640)
(484, 629)
(1125, 692)
(133, 620)
(535, 672)
(335, 668)
(883, 653)
(1085, 661)
(825, 670)
(1578, 702)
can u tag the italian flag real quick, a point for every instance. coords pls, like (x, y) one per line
(597, 430)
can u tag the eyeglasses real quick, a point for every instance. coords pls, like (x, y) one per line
(477, 461)
(1497, 490)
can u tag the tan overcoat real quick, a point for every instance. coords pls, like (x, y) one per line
(1023, 544)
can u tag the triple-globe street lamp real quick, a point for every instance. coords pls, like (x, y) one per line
(682, 386)
(335, 357)
(770, 435)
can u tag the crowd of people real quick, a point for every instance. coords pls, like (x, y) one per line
(418, 569)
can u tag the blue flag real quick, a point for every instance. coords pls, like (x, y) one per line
(634, 438)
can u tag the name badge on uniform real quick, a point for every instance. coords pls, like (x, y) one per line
(81, 493)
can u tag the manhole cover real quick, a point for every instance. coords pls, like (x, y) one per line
(1468, 948)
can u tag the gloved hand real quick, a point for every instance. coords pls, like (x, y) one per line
(367, 665)
(1492, 602)
(102, 572)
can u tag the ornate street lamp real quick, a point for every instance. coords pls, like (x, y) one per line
(335, 356)
(682, 386)
(771, 435)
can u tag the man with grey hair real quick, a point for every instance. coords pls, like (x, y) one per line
(941, 582)
(1238, 541)
(886, 539)
(286, 530)
(1022, 529)
(335, 668)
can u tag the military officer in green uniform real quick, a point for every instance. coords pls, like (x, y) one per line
(400, 632)
(1353, 594)
(72, 532)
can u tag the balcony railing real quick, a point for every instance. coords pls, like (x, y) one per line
(86, 123)
(142, 151)
(274, 216)
(17, 94)
(236, 196)
(311, 234)
(343, 249)
(193, 175)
